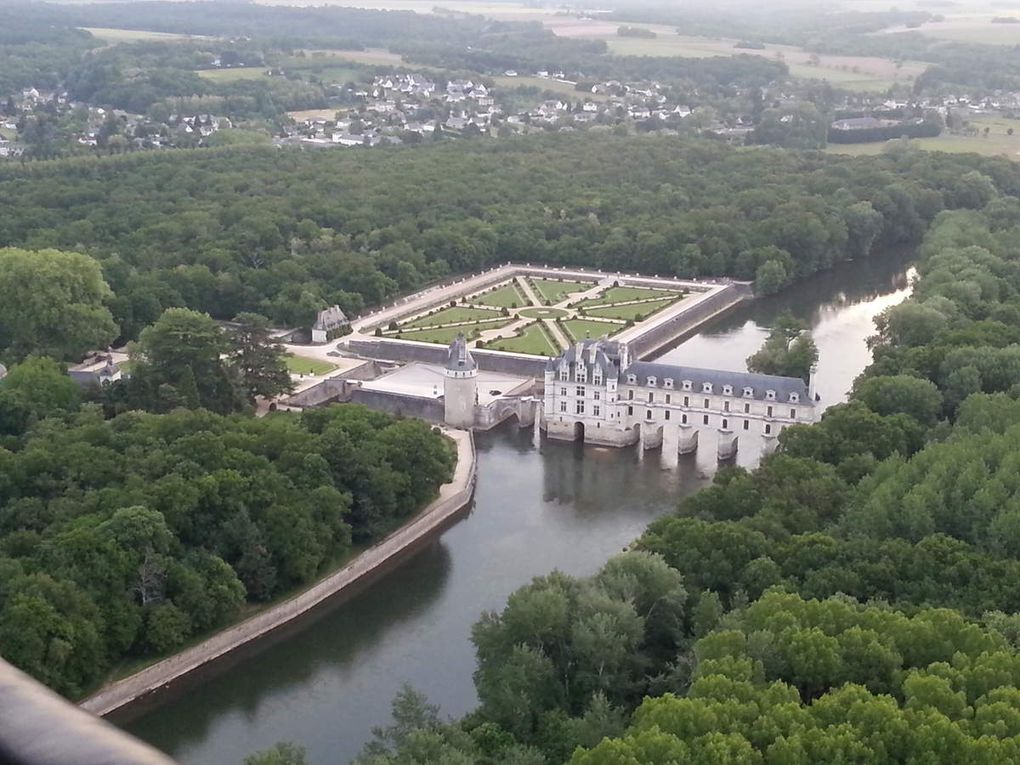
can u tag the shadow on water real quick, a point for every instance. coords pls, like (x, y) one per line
(337, 638)
(556, 506)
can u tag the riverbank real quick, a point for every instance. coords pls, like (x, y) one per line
(453, 498)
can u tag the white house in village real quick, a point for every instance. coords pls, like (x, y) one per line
(330, 324)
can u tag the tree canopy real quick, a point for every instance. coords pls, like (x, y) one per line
(126, 537)
(52, 303)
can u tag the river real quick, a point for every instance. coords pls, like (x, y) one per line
(557, 506)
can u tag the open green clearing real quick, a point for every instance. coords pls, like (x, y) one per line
(556, 291)
(135, 35)
(998, 143)
(302, 365)
(861, 72)
(445, 335)
(628, 294)
(543, 313)
(505, 296)
(368, 57)
(628, 312)
(534, 340)
(235, 74)
(456, 315)
(579, 329)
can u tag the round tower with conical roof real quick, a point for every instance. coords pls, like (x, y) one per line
(460, 386)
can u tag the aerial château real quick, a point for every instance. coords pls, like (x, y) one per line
(595, 393)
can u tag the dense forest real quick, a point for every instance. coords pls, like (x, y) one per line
(284, 233)
(124, 538)
(852, 599)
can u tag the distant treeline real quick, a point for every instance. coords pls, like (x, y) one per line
(922, 129)
(284, 233)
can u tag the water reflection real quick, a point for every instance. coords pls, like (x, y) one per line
(556, 506)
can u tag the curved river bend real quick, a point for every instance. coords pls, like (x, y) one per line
(560, 506)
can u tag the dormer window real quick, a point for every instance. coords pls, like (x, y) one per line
(564, 373)
(727, 390)
(706, 387)
(632, 379)
(770, 395)
(794, 398)
(651, 382)
(748, 392)
(669, 383)
(687, 385)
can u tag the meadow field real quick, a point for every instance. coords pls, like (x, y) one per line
(110, 35)
(998, 143)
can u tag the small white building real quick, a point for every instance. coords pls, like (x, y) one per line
(98, 369)
(330, 324)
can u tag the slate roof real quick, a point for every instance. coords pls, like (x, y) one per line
(759, 384)
(606, 358)
(459, 358)
(330, 318)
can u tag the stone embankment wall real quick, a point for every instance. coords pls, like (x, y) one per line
(400, 404)
(454, 498)
(515, 364)
(686, 320)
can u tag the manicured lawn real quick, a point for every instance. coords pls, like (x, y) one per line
(627, 294)
(505, 296)
(445, 335)
(302, 365)
(631, 311)
(452, 316)
(543, 313)
(579, 329)
(555, 291)
(533, 341)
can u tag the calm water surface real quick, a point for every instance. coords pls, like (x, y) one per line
(557, 506)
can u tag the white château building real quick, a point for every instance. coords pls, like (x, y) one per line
(595, 393)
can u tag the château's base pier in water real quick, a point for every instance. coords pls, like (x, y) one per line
(537, 508)
(454, 498)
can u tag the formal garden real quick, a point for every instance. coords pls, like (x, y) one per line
(536, 316)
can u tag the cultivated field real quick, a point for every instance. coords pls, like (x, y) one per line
(862, 72)
(998, 143)
(135, 35)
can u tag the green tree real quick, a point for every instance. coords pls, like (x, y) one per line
(281, 753)
(788, 351)
(33, 390)
(258, 361)
(178, 362)
(52, 303)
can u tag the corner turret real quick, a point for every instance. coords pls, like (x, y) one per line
(460, 385)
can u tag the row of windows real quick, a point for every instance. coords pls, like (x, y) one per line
(707, 404)
(706, 420)
(727, 390)
(579, 408)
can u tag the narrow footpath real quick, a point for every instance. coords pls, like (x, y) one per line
(557, 334)
(530, 294)
(453, 497)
